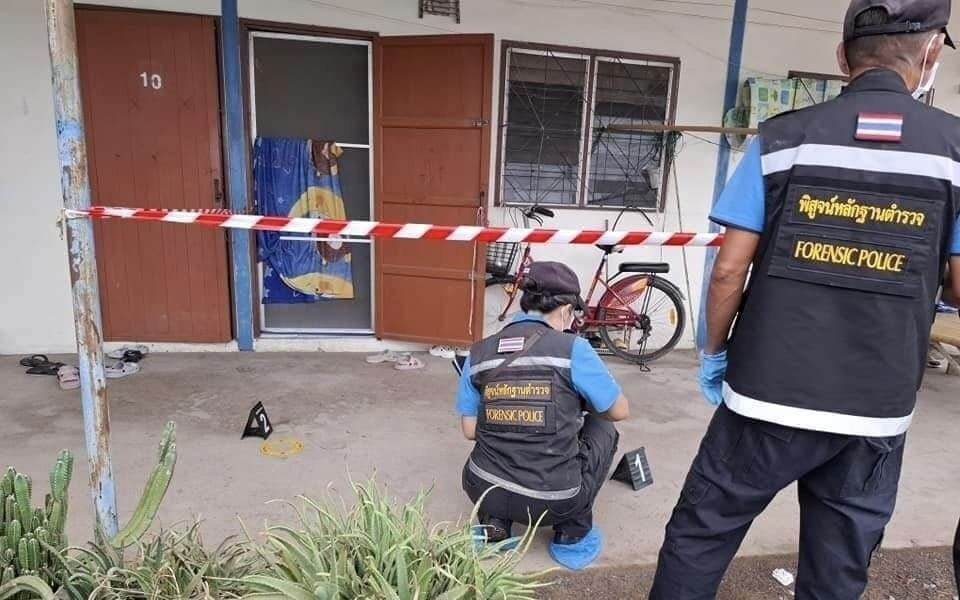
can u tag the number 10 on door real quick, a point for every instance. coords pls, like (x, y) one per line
(151, 80)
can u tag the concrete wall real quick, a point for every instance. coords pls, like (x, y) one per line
(775, 43)
(35, 305)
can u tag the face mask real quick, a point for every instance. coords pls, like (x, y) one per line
(924, 87)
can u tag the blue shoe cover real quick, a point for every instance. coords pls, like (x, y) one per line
(580, 555)
(480, 540)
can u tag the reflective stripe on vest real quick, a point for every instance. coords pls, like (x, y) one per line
(815, 420)
(519, 489)
(523, 361)
(863, 159)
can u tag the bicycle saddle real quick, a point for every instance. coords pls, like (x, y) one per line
(642, 267)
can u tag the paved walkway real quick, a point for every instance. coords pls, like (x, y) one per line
(358, 418)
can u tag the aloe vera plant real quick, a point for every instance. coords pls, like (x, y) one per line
(380, 550)
(26, 586)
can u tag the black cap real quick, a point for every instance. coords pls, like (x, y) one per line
(553, 278)
(905, 16)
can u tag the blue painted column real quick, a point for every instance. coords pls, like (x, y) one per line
(75, 185)
(237, 172)
(734, 58)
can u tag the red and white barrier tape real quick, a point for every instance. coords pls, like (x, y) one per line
(413, 231)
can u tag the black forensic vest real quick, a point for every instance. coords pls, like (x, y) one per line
(530, 414)
(833, 330)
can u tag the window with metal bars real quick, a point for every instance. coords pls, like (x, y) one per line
(563, 116)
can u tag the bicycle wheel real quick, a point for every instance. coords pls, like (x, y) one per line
(661, 319)
(496, 296)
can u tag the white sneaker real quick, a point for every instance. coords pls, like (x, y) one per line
(448, 352)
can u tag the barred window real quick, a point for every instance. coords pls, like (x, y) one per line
(558, 146)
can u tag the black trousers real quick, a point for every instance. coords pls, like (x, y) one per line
(847, 492)
(574, 516)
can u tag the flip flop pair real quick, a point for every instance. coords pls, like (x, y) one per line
(68, 377)
(39, 364)
(121, 369)
(409, 363)
(132, 354)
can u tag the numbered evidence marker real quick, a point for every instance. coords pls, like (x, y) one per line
(634, 470)
(258, 423)
(458, 362)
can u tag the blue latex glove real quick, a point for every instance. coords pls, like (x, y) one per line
(713, 369)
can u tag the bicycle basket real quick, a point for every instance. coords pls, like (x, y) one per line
(500, 257)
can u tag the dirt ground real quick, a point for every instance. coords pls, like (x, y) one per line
(912, 574)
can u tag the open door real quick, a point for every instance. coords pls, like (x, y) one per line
(432, 166)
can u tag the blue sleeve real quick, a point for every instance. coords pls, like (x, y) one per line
(741, 204)
(955, 244)
(468, 398)
(591, 378)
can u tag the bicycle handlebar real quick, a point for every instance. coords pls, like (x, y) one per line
(546, 212)
(539, 210)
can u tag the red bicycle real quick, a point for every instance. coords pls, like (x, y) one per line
(640, 316)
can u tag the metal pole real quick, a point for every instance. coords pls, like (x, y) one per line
(734, 58)
(237, 171)
(75, 183)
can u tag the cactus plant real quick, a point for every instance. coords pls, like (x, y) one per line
(29, 533)
(153, 492)
(32, 539)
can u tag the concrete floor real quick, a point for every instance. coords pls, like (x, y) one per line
(357, 418)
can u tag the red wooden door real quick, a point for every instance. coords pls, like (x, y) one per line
(432, 166)
(151, 106)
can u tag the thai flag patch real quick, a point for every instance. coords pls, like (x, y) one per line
(877, 127)
(510, 345)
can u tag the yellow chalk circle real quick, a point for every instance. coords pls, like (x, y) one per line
(281, 447)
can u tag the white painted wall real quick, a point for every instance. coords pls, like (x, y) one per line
(775, 43)
(35, 304)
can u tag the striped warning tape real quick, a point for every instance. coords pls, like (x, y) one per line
(413, 231)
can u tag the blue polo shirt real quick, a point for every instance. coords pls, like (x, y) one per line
(590, 377)
(742, 203)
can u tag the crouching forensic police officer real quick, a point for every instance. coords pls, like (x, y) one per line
(847, 212)
(522, 397)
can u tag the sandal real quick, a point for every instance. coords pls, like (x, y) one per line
(121, 369)
(385, 356)
(409, 363)
(120, 353)
(45, 369)
(38, 360)
(68, 377)
(133, 356)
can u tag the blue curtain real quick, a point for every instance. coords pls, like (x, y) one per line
(300, 178)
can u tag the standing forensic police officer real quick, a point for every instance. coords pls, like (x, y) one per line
(523, 397)
(847, 212)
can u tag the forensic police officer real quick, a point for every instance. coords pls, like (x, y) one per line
(847, 212)
(522, 397)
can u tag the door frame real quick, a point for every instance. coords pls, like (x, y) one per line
(248, 27)
(250, 34)
(221, 139)
(478, 273)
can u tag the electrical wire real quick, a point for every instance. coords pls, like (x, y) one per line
(366, 13)
(662, 23)
(645, 10)
(683, 249)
